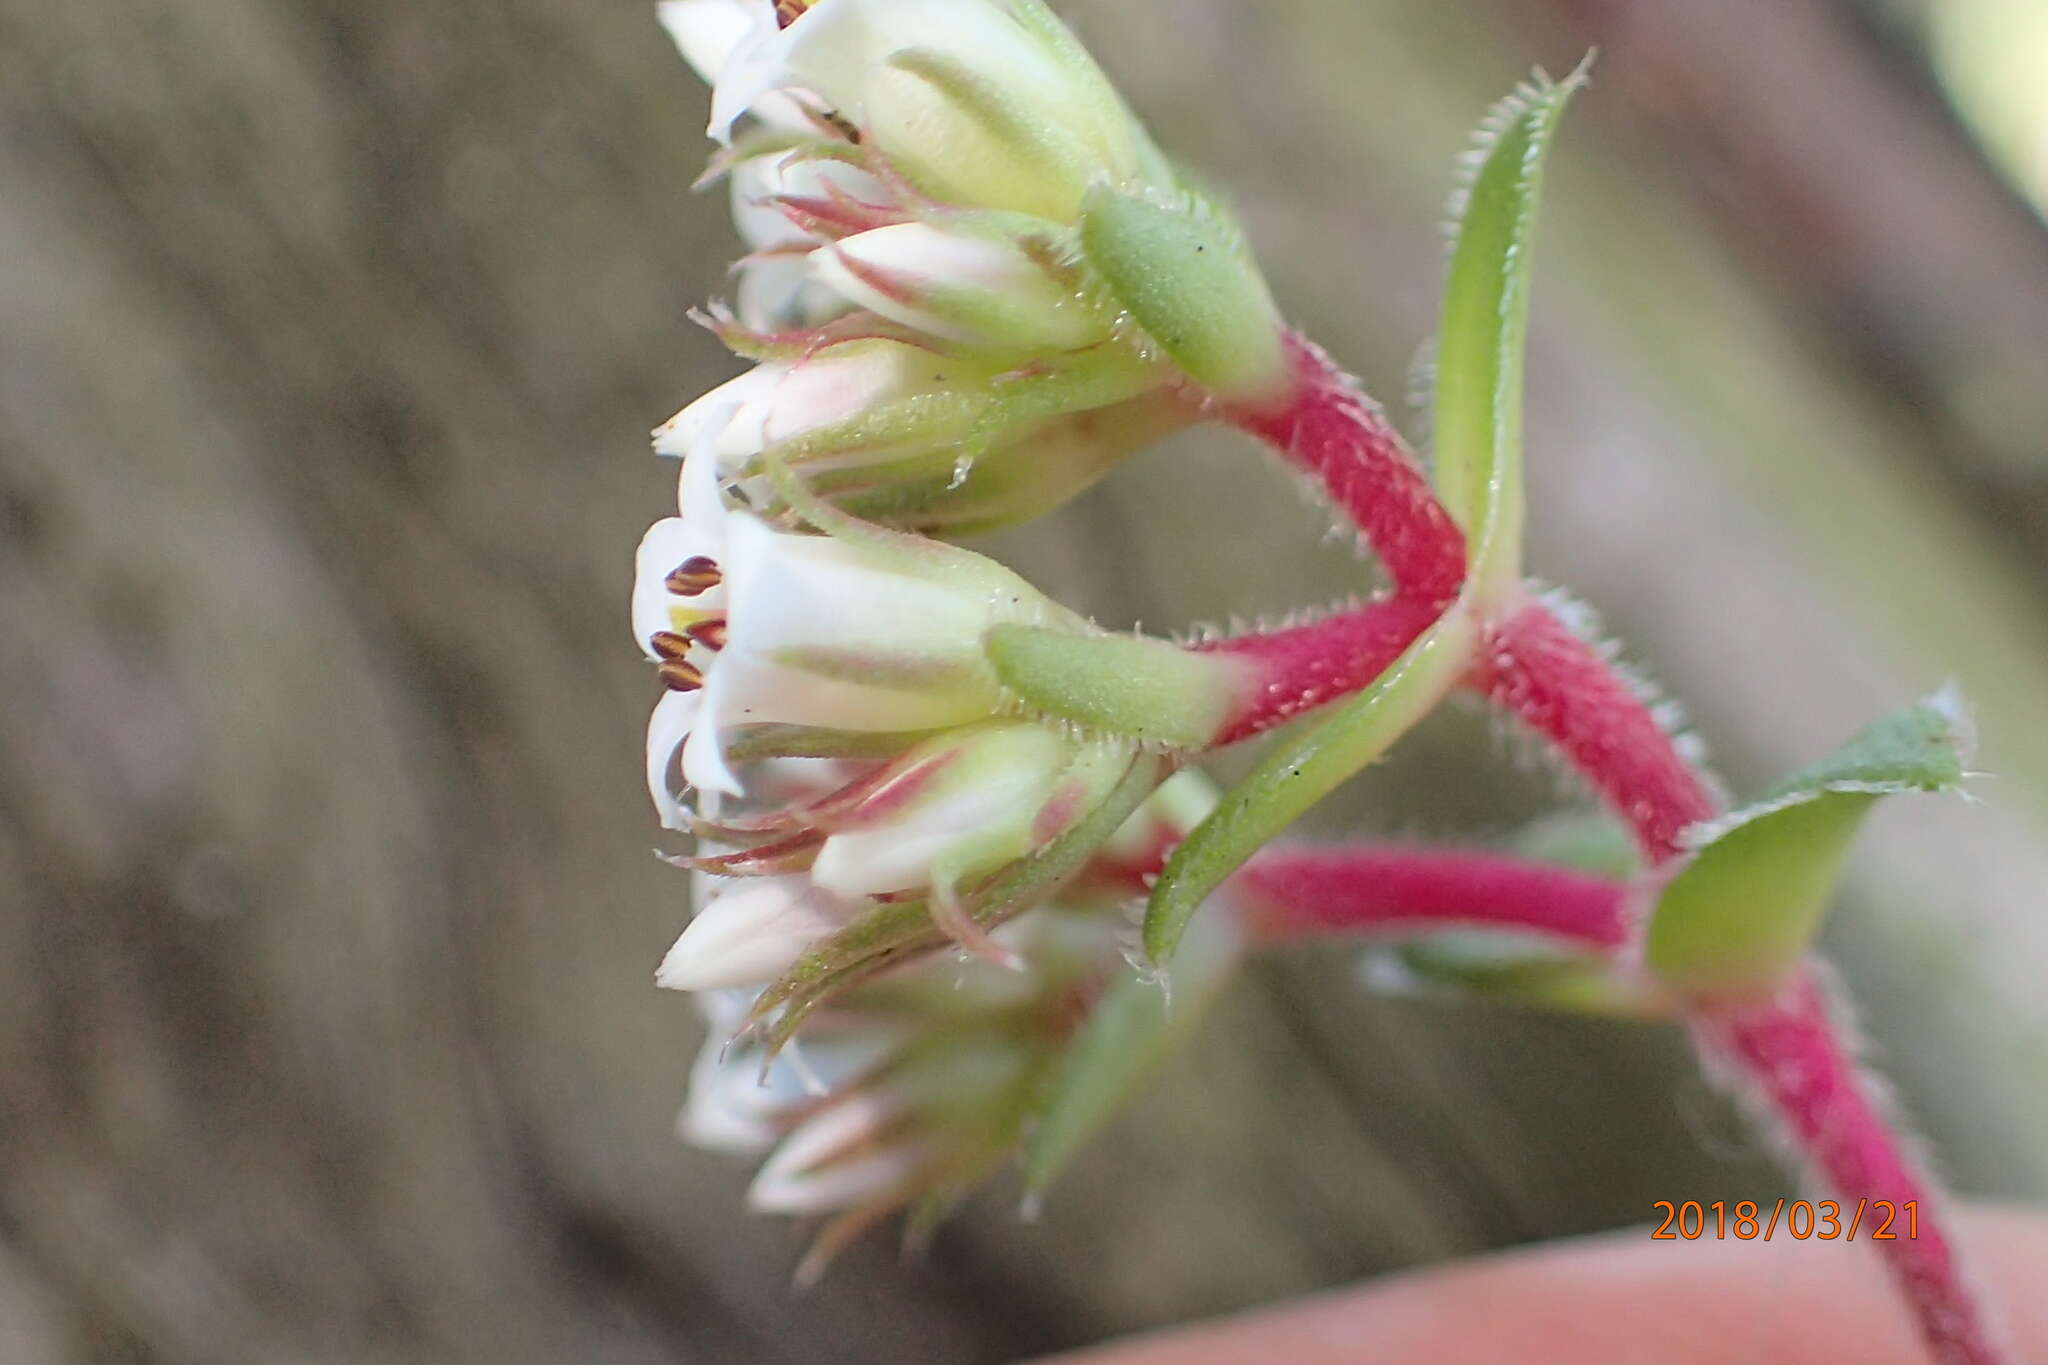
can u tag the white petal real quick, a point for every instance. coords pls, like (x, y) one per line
(701, 422)
(665, 546)
(749, 935)
(792, 1181)
(707, 31)
(796, 593)
(700, 499)
(674, 718)
(777, 294)
(704, 763)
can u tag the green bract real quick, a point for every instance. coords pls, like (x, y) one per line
(1741, 914)
(1183, 273)
(1127, 685)
(1478, 411)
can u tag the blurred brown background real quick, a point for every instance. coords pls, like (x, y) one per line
(330, 335)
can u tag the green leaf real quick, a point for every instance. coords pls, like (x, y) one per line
(1303, 769)
(1135, 1026)
(1478, 415)
(1741, 914)
(1185, 276)
(1124, 684)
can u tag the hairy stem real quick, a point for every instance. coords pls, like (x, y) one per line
(1561, 687)
(1791, 1052)
(1290, 893)
(1787, 1051)
(1306, 666)
(1331, 430)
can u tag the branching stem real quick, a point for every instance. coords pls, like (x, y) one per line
(1787, 1050)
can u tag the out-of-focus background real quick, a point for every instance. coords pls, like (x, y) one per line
(330, 335)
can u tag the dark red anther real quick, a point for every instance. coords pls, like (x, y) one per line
(668, 644)
(697, 574)
(710, 634)
(680, 675)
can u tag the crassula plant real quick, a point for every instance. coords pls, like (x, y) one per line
(958, 882)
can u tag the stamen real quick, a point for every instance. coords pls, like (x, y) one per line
(668, 644)
(788, 12)
(680, 675)
(710, 634)
(697, 574)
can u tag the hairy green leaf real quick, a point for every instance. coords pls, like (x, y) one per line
(1478, 414)
(1743, 911)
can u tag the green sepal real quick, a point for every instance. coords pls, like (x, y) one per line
(1304, 768)
(1478, 411)
(1134, 1027)
(896, 931)
(1129, 685)
(1184, 275)
(1741, 913)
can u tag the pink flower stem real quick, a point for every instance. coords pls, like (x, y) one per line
(1561, 687)
(1306, 666)
(1564, 689)
(1293, 893)
(1331, 430)
(1791, 1051)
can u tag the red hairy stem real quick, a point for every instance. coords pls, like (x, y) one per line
(1559, 686)
(1290, 893)
(1306, 666)
(1535, 667)
(1329, 429)
(1791, 1051)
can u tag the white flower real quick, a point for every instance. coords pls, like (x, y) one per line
(812, 631)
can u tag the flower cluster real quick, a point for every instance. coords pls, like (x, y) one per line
(953, 298)
(919, 183)
(911, 1088)
(830, 704)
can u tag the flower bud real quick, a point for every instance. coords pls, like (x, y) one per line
(846, 1154)
(962, 804)
(983, 103)
(778, 200)
(858, 402)
(749, 932)
(989, 284)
